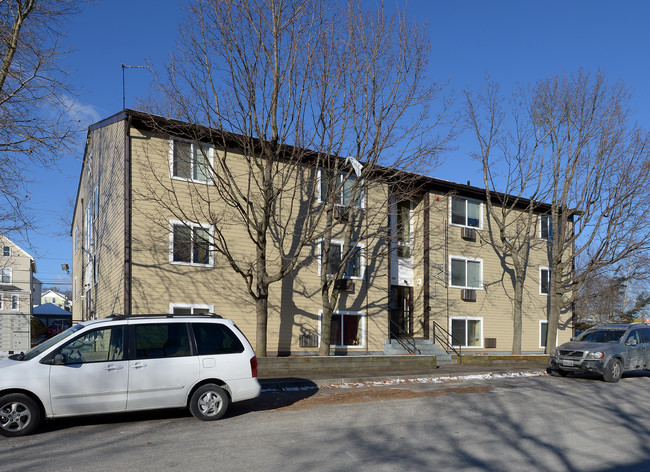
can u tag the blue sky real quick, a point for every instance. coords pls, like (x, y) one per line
(517, 42)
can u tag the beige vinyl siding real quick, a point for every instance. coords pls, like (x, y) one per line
(103, 169)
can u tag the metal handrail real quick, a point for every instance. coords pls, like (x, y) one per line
(401, 339)
(444, 341)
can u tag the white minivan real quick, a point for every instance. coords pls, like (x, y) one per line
(129, 363)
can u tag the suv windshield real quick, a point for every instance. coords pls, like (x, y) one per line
(601, 336)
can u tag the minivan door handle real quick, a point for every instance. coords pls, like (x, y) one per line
(138, 365)
(113, 367)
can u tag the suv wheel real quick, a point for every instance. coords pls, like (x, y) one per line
(209, 402)
(613, 371)
(19, 415)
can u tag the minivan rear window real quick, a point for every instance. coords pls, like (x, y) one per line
(216, 338)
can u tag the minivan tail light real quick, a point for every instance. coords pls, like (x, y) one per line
(254, 366)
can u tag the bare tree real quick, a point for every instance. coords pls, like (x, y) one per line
(509, 151)
(288, 89)
(34, 99)
(598, 176)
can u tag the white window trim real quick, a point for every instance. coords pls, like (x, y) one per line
(193, 144)
(541, 217)
(466, 318)
(74, 290)
(362, 262)
(210, 229)
(462, 258)
(11, 301)
(540, 280)
(76, 239)
(8, 270)
(319, 188)
(200, 306)
(557, 334)
(1, 301)
(480, 224)
(362, 328)
(411, 243)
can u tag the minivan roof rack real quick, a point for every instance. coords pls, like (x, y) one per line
(118, 316)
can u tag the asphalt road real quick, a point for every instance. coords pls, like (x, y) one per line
(522, 424)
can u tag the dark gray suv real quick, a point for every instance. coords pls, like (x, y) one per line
(606, 350)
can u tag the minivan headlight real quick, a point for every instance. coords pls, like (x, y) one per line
(595, 355)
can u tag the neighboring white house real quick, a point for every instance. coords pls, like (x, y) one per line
(56, 298)
(17, 270)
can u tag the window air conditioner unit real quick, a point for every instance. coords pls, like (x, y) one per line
(468, 294)
(344, 285)
(342, 212)
(468, 233)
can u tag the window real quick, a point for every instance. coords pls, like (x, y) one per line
(466, 273)
(213, 338)
(546, 227)
(101, 345)
(2, 307)
(348, 329)
(466, 212)
(346, 191)
(5, 275)
(543, 334)
(15, 302)
(155, 341)
(6, 251)
(74, 290)
(190, 244)
(404, 218)
(189, 309)
(466, 332)
(190, 161)
(76, 240)
(354, 268)
(544, 280)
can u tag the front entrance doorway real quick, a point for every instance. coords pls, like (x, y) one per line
(401, 311)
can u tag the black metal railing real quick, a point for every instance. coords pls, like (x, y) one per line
(444, 340)
(403, 339)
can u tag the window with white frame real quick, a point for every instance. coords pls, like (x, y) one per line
(546, 227)
(544, 280)
(5, 275)
(6, 251)
(466, 212)
(74, 290)
(543, 333)
(2, 305)
(404, 230)
(348, 329)
(346, 189)
(76, 239)
(190, 309)
(466, 273)
(354, 268)
(190, 161)
(466, 331)
(15, 302)
(190, 244)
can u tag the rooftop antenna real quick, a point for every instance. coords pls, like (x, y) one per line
(123, 85)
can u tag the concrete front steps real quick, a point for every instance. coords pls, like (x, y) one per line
(425, 347)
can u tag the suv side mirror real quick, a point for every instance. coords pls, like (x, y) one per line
(59, 359)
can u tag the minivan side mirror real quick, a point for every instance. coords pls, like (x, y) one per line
(59, 359)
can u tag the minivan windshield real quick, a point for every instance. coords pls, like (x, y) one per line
(601, 336)
(45, 345)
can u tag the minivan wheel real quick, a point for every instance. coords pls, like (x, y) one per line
(209, 402)
(613, 371)
(19, 415)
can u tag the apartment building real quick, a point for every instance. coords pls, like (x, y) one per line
(423, 271)
(17, 270)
